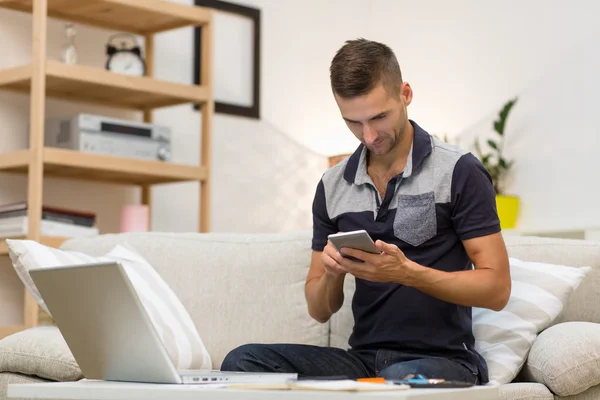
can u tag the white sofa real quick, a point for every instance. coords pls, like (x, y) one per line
(243, 288)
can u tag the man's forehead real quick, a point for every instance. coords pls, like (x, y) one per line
(363, 110)
(363, 107)
(365, 115)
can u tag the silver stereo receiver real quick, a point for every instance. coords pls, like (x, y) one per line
(109, 136)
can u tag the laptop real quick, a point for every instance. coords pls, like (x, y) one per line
(111, 336)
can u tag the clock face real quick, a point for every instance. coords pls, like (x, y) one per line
(125, 62)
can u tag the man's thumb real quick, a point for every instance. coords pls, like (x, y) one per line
(385, 247)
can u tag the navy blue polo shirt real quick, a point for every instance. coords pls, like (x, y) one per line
(443, 196)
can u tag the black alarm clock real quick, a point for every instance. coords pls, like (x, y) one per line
(125, 59)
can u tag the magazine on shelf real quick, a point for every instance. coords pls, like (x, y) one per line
(18, 226)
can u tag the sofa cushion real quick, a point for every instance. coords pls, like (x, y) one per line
(39, 351)
(342, 322)
(566, 358)
(238, 288)
(592, 393)
(525, 391)
(170, 319)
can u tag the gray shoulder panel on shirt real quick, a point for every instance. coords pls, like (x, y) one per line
(434, 174)
(341, 196)
(445, 158)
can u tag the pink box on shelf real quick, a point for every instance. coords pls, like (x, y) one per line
(134, 218)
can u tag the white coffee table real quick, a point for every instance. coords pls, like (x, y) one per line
(100, 390)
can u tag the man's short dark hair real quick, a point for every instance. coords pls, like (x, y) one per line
(362, 64)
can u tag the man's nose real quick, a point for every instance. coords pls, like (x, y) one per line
(369, 134)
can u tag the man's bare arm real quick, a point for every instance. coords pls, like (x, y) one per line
(324, 288)
(487, 286)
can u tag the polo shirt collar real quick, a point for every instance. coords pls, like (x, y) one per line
(356, 168)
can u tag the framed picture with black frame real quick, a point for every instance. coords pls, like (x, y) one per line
(230, 106)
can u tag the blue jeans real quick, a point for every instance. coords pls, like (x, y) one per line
(314, 361)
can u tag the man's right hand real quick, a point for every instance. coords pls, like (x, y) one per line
(332, 267)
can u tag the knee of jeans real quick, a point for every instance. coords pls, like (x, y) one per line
(396, 372)
(237, 359)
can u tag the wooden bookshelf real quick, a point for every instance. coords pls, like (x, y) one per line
(134, 16)
(44, 78)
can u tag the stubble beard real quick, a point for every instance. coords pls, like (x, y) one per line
(393, 142)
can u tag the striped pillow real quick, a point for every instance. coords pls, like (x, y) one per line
(539, 294)
(170, 319)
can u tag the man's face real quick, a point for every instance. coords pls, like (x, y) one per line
(378, 118)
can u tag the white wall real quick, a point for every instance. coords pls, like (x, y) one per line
(553, 138)
(466, 58)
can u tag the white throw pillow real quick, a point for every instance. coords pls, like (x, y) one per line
(170, 319)
(539, 294)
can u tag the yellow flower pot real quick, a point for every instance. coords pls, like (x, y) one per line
(508, 210)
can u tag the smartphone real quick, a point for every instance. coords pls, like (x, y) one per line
(359, 240)
(434, 385)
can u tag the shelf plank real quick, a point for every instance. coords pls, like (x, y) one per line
(15, 159)
(15, 76)
(51, 241)
(44, 318)
(134, 16)
(95, 85)
(8, 330)
(74, 164)
(64, 163)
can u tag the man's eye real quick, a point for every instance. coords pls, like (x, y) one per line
(380, 116)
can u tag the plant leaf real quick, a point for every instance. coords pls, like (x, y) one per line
(503, 115)
(492, 144)
(499, 127)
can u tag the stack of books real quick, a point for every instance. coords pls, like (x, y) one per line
(55, 222)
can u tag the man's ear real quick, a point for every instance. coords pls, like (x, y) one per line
(406, 93)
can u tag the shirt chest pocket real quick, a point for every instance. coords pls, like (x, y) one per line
(415, 221)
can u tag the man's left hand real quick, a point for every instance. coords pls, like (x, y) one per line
(391, 265)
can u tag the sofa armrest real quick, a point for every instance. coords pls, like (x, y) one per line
(566, 358)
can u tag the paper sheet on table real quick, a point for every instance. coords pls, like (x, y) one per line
(346, 385)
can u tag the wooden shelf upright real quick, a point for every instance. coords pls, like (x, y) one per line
(44, 78)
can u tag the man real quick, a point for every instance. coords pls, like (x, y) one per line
(431, 209)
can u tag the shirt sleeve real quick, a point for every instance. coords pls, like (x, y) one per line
(473, 199)
(323, 226)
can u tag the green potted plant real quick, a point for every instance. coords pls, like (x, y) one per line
(498, 167)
